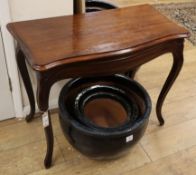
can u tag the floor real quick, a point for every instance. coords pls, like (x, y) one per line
(167, 150)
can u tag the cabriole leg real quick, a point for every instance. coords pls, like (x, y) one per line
(43, 91)
(27, 83)
(177, 65)
(46, 120)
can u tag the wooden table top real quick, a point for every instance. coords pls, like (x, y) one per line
(50, 42)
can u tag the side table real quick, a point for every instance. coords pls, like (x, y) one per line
(99, 43)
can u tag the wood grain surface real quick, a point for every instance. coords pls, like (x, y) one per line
(51, 42)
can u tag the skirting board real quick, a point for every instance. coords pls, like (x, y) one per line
(53, 105)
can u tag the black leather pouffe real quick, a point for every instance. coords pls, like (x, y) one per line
(103, 117)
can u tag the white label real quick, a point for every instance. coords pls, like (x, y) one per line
(129, 138)
(45, 119)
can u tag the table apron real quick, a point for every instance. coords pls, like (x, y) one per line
(112, 65)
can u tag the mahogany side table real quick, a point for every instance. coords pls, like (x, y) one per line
(99, 43)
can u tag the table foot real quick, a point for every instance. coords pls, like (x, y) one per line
(177, 65)
(46, 120)
(27, 83)
(30, 116)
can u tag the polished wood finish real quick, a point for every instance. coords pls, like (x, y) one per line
(101, 43)
(50, 142)
(92, 36)
(178, 59)
(20, 58)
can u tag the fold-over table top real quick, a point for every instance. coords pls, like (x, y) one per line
(50, 42)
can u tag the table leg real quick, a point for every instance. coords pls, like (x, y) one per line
(176, 67)
(43, 92)
(27, 83)
(42, 97)
(46, 119)
(132, 73)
